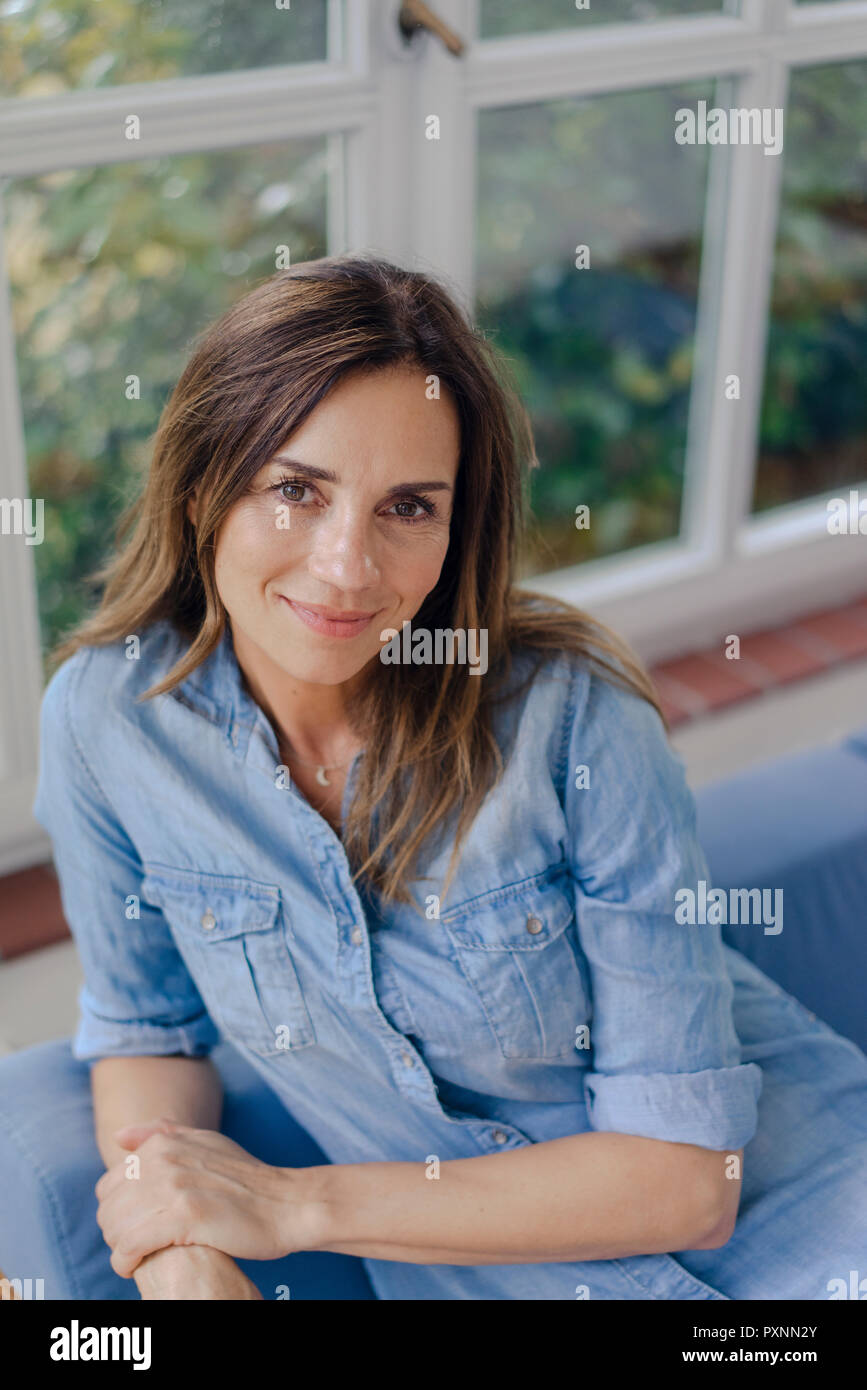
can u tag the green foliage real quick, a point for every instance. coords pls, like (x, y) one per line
(603, 355)
(813, 428)
(500, 18)
(53, 45)
(114, 271)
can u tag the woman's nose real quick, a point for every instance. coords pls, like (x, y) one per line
(344, 554)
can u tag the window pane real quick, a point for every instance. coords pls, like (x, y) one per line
(814, 412)
(52, 45)
(498, 18)
(113, 270)
(603, 355)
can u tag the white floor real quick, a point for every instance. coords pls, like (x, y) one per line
(38, 991)
(38, 996)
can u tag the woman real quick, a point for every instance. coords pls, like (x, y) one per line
(321, 781)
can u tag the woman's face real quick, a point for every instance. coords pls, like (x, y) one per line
(344, 532)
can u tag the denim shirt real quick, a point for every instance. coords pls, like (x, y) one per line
(553, 993)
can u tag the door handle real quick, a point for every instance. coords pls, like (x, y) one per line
(415, 15)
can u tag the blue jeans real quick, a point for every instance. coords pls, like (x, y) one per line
(49, 1165)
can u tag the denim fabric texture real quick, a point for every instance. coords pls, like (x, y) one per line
(208, 900)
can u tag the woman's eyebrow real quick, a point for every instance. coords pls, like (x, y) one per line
(326, 475)
(437, 485)
(322, 475)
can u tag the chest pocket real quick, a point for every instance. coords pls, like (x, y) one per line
(515, 947)
(231, 933)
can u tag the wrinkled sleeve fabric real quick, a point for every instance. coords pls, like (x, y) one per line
(666, 1060)
(138, 997)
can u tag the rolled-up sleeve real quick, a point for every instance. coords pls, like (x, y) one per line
(666, 1060)
(138, 997)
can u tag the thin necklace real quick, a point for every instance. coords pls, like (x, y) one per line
(321, 768)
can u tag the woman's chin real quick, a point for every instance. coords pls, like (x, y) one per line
(325, 668)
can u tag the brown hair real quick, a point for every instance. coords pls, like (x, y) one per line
(252, 379)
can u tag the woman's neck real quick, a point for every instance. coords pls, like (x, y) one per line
(310, 720)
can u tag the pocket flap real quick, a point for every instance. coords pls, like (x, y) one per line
(524, 920)
(214, 907)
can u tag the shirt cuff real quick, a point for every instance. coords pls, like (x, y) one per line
(715, 1109)
(97, 1037)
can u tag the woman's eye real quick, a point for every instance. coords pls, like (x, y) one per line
(292, 492)
(418, 511)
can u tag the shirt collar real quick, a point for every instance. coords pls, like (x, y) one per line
(215, 687)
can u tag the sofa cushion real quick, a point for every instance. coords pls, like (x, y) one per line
(800, 824)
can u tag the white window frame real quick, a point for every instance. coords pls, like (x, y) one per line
(726, 571)
(394, 193)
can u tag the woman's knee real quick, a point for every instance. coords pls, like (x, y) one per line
(49, 1164)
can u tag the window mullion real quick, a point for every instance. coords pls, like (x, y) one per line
(723, 425)
(444, 168)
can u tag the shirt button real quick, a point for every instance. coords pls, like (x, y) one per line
(209, 921)
(357, 936)
(406, 1058)
(499, 1136)
(534, 926)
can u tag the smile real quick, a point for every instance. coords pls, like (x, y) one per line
(325, 621)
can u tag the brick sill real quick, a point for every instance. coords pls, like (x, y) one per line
(30, 912)
(31, 915)
(704, 682)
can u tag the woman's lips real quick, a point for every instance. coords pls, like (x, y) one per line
(329, 626)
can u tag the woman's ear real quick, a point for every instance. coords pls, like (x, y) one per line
(193, 507)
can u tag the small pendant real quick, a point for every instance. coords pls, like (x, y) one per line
(321, 777)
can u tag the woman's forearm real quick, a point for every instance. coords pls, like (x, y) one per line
(131, 1090)
(593, 1196)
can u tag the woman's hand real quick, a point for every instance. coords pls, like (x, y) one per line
(193, 1272)
(196, 1187)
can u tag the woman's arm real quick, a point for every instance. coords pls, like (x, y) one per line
(139, 1005)
(590, 1196)
(128, 1090)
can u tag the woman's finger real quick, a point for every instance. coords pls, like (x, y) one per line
(121, 1171)
(153, 1232)
(130, 1136)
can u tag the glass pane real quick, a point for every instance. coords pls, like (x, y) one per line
(498, 18)
(814, 413)
(603, 354)
(113, 270)
(51, 46)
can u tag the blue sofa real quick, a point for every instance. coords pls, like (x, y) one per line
(799, 824)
